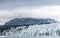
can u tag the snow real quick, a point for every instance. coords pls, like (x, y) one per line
(36, 31)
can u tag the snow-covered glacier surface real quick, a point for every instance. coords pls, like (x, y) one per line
(34, 31)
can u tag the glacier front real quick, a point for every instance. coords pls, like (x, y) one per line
(33, 31)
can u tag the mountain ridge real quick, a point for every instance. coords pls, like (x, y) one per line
(20, 21)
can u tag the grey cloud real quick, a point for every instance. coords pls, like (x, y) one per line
(11, 4)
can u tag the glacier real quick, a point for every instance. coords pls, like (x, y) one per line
(34, 31)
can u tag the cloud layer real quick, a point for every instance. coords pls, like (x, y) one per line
(37, 12)
(11, 4)
(29, 8)
(33, 12)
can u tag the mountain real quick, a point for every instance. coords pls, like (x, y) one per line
(13, 25)
(22, 21)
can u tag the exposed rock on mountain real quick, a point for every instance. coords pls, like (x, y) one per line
(22, 21)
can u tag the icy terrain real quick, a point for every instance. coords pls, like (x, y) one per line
(34, 31)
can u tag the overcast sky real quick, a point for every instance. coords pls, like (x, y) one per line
(10, 4)
(30, 8)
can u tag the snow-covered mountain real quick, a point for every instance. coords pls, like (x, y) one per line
(22, 21)
(43, 27)
(26, 22)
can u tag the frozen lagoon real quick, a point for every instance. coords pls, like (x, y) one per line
(30, 37)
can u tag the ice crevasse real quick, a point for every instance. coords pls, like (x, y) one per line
(42, 30)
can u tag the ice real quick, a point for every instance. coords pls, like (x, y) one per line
(35, 31)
